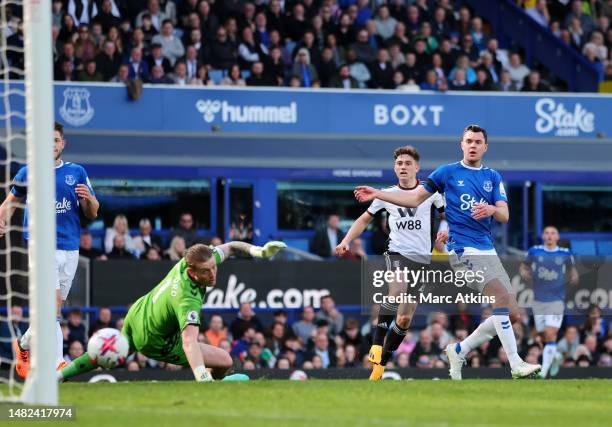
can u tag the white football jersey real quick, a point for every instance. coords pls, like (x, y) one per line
(410, 229)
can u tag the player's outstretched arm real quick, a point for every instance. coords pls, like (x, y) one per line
(88, 202)
(355, 231)
(245, 249)
(191, 347)
(409, 199)
(7, 209)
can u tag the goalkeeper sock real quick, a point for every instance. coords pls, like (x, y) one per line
(80, 365)
(24, 342)
(503, 326)
(395, 336)
(548, 355)
(59, 337)
(382, 326)
(483, 333)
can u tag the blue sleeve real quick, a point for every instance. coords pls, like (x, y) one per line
(436, 181)
(499, 191)
(569, 260)
(85, 180)
(19, 185)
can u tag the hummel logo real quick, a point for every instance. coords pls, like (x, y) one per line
(460, 183)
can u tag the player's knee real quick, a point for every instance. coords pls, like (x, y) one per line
(403, 320)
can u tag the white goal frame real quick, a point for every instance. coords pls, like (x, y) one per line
(41, 385)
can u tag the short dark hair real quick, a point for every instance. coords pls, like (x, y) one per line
(59, 128)
(476, 129)
(167, 21)
(406, 149)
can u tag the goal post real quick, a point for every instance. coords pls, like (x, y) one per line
(41, 386)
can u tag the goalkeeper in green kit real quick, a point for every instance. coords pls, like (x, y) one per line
(164, 323)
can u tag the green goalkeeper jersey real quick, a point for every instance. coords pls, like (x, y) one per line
(155, 321)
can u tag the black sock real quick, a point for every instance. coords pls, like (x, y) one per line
(383, 325)
(395, 336)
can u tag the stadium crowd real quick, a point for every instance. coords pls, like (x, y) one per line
(399, 44)
(325, 339)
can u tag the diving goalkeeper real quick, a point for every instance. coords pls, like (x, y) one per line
(164, 323)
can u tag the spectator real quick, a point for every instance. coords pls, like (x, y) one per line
(191, 62)
(76, 329)
(75, 349)
(505, 83)
(325, 240)
(176, 250)
(490, 67)
(275, 66)
(233, 77)
(84, 47)
(216, 332)
(585, 21)
(179, 76)
(151, 254)
(539, 13)
(90, 73)
(482, 83)
(61, 70)
(303, 69)
(479, 38)
(534, 83)
(123, 74)
(276, 341)
(517, 70)
(385, 23)
(425, 347)
(257, 77)
(15, 327)
(108, 60)
(138, 68)
(244, 320)
(105, 16)
(86, 248)
(364, 50)
(222, 51)
(241, 229)
(249, 50)
(331, 315)
(303, 329)
(186, 230)
(323, 351)
(120, 227)
(103, 321)
(153, 11)
(431, 81)
(568, 345)
(382, 71)
(464, 64)
(352, 336)
(410, 70)
(172, 47)
(596, 42)
(156, 58)
(202, 78)
(119, 250)
(145, 239)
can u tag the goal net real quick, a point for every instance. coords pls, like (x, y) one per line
(27, 282)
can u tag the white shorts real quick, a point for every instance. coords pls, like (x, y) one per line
(485, 264)
(548, 314)
(66, 263)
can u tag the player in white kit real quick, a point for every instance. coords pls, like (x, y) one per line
(410, 244)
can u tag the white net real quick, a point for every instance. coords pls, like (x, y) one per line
(13, 252)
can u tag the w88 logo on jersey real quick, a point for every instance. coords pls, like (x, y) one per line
(408, 224)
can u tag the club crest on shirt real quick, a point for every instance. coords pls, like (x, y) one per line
(487, 186)
(70, 180)
(558, 260)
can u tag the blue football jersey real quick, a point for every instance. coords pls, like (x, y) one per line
(68, 223)
(549, 267)
(464, 186)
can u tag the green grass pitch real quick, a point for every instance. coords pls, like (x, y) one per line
(341, 403)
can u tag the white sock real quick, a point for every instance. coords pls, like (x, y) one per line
(59, 336)
(24, 342)
(548, 355)
(483, 333)
(503, 326)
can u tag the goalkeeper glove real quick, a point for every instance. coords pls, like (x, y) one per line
(268, 250)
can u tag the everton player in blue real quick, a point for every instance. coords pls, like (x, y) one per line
(548, 266)
(474, 195)
(72, 191)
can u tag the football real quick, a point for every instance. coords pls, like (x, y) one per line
(108, 348)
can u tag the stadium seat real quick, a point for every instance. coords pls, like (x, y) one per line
(245, 74)
(216, 76)
(604, 247)
(301, 244)
(584, 247)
